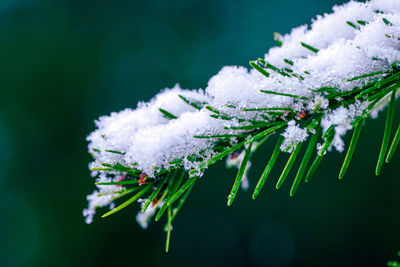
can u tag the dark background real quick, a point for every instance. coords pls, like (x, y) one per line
(65, 63)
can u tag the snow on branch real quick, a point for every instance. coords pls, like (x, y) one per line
(318, 83)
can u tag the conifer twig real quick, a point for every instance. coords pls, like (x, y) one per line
(296, 92)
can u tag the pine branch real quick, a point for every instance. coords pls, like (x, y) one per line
(161, 149)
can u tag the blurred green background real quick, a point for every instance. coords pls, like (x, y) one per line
(65, 63)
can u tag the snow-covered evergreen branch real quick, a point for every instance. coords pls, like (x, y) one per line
(316, 85)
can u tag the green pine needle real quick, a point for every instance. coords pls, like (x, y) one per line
(259, 68)
(352, 24)
(172, 187)
(119, 183)
(253, 126)
(387, 22)
(267, 109)
(115, 152)
(362, 22)
(309, 47)
(223, 117)
(366, 75)
(352, 147)
(386, 134)
(264, 133)
(224, 153)
(182, 190)
(182, 201)
(289, 165)
(366, 111)
(239, 176)
(167, 114)
(262, 61)
(277, 70)
(384, 92)
(221, 136)
(129, 201)
(212, 109)
(393, 146)
(217, 114)
(288, 61)
(306, 159)
(119, 168)
(197, 106)
(160, 213)
(169, 228)
(125, 192)
(275, 113)
(282, 94)
(248, 141)
(377, 85)
(269, 167)
(328, 135)
(154, 194)
(277, 38)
